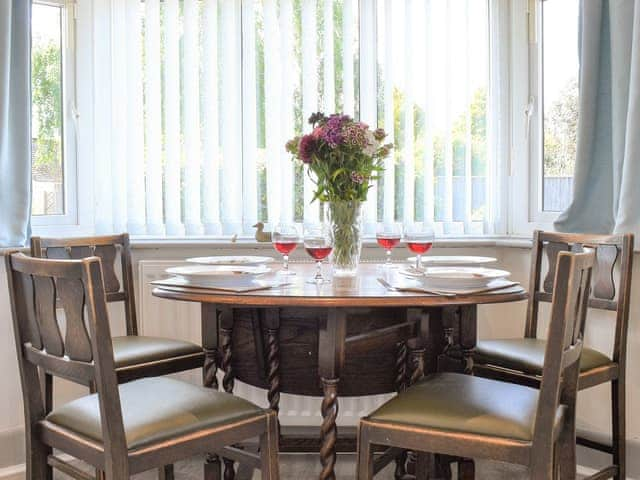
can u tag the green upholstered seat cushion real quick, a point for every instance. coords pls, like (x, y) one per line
(156, 409)
(527, 355)
(463, 403)
(134, 350)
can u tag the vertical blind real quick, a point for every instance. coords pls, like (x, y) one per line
(195, 100)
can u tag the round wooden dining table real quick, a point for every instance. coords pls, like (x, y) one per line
(350, 337)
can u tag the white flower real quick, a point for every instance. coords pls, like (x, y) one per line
(372, 143)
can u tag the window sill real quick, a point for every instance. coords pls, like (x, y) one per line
(141, 243)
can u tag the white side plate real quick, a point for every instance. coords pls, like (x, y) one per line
(439, 260)
(213, 273)
(231, 260)
(457, 277)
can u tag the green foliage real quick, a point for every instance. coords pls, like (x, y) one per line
(560, 132)
(47, 104)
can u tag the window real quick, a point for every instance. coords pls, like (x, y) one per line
(53, 151)
(559, 101)
(553, 107)
(198, 97)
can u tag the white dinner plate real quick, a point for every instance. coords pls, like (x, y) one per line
(231, 260)
(440, 260)
(457, 277)
(214, 273)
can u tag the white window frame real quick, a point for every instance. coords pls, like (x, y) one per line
(527, 212)
(78, 176)
(70, 180)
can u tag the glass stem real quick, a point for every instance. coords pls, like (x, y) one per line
(285, 267)
(388, 256)
(418, 262)
(318, 277)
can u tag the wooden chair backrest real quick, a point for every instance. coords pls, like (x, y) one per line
(570, 299)
(107, 249)
(81, 351)
(611, 277)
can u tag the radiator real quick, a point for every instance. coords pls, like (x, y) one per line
(168, 318)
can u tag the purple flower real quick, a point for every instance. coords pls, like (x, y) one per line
(307, 148)
(332, 130)
(379, 134)
(357, 177)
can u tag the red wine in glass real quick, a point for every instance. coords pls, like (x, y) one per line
(285, 247)
(319, 253)
(388, 242)
(388, 236)
(419, 247)
(285, 239)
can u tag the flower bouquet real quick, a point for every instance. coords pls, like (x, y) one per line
(343, 157)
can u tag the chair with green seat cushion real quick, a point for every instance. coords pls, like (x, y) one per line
(527, 355)
(136, 356)
(472, 417)
(122, 429)
(520, 360)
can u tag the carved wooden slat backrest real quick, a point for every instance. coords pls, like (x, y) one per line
(571, 292)
(107, 248)
(85, 355)
(611, 283)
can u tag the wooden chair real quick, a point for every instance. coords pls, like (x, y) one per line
(135, 356)
(467, 416)
(520, 360)
(121, 430)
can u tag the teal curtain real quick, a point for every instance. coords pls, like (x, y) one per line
(607, 175)
(15, 122)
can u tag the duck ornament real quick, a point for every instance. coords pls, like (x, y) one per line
(261, 235)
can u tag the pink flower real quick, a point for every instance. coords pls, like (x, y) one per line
(307, 148)
(379, 134)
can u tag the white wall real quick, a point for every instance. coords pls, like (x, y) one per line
(494, 321)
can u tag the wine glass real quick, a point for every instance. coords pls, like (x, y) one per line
(318, 244)
(419, 237)
(285, 238)
(388, 236)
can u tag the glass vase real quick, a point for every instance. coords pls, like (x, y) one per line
(345, 221)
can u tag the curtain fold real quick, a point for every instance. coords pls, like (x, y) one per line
(15, 122)
(606, 190)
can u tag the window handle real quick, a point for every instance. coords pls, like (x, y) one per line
(528, 113)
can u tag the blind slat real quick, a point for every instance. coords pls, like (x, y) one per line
(468, 182)
(119, 118)
(348, 39)
(309, 93)
(153, 119)
(286, 106)
(249, 124)
(448, 142)
(210, 124)
(368, 86)
(102, 134)
(231, 199)
(171, 100)
(191, 93)
(135, 121)
(389, 121)
(272, 94)
(408, 147)
(428, 121)
(329, 91)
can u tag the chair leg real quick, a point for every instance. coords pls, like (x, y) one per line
(269, 449)
(212, 468)
(466, 469)
(423, 465)
(100, 475)
(166, 472)
(365, 455)
(38, 467)
(618, 415)
(565, 453)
